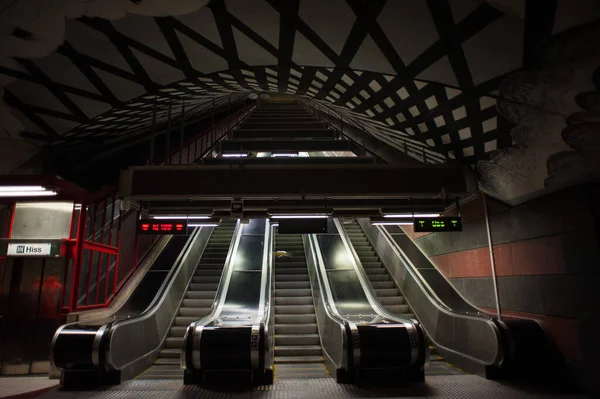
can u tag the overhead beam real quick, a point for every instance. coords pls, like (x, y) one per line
(297, 182)
(241, 162)
(262, 133)
(286, 145)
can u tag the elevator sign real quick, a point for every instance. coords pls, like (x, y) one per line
(162, 226)
(428, 225)
(29, 249)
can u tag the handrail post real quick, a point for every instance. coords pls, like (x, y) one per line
(492, 260)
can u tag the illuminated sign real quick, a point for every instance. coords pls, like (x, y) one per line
(162, 226)
(428, 225)
(21, 249)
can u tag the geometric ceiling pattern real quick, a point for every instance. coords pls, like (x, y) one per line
(421, 76)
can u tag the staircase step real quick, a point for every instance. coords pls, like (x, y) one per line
(295, 318)
(373, 271)
(298, 350)
(294, 309)
(293, 300)
(296, 329)
(295, 339)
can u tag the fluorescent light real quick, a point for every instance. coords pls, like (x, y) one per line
(410, 215)
(21, 188)
(234, 155)
(299, 216)
(203, 225)
(181, 217)
(284, 155)
(27, 193)
(392, 224)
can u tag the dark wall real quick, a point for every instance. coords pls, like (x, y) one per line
(547, 258)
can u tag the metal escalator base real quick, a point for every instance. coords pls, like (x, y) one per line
(440, 387)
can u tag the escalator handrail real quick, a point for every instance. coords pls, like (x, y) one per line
(189, 351)
(103, 330)
(158, 299)
(411, 324)
(435, 300)
(327, 299)
(265, 305)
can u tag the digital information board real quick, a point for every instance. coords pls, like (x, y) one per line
(162, 226)
(429, 225)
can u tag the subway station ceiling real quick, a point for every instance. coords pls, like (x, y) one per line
(508, 87)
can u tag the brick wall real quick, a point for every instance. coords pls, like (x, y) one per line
(547, 257)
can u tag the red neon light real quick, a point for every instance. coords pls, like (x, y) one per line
(179, 227)
(145, 226)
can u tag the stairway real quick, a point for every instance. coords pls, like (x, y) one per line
(385, 287)
(196, 303)
(297, 344)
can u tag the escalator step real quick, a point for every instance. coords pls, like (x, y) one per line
(382, 284)
(177, 331)
(293, 284)
(281, 264)
(167, 361)
(170, 353)
(184, 321)
(391, 300)
(198, 303)
(291, 277)
(368, 265)
(296, 329)
(293, 300)
(292, 292)
(294, 318)
(203, 286)
(295, 339)
(375, 271)
(174, 343)
(387, 291)
(294, 309)
(291, 270)
(206, 279)
(397, 308)
(200, 294)
(298, 359)
(204, 272)
(380, 277)
(194, 312)
(298, 350)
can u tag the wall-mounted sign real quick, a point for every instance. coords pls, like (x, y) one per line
(162, 226)
(29, 249)
(428, 225)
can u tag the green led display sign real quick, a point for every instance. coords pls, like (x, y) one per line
(428, 225)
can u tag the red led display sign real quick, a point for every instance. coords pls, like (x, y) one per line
(162, 226)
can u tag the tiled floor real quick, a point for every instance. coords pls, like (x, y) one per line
(439, 387)
(10, 386)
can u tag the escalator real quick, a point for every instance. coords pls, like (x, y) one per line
(386, 289)
(123, 345)
(233, 344)
(197, 303)
(298, 352)
(361, 340)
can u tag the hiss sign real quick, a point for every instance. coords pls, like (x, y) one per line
(29, 249)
